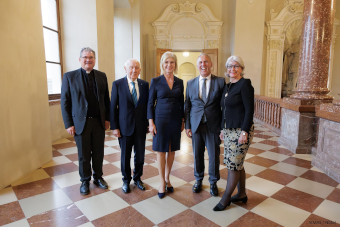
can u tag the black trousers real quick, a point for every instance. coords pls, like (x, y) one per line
(90, 144)
(126, 144)
(204, 138)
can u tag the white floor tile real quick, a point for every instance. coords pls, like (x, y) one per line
(289, 168)
(262, 186)
(110, 150)
(57, 161)
(252, 168)
(157, 210)
(222, 218)
(67, 151)
(7, 195)
(281, 213)
(257, 139)
(112, 143)
(19, 223)
(273, 156)
(44, 202)
(114, 181)
(329, 210)
(311, 187)
(36, 175)
(307, 157)
(262, 146)
(67, 179)
(101, 205)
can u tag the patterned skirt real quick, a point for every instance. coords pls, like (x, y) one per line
(234, 153)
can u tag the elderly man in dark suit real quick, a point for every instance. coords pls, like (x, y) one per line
(129, 121)
(203, 118)
(85, 107)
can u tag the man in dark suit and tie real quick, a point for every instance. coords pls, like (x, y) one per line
(85, 107)
(203, 119)
(129, 121)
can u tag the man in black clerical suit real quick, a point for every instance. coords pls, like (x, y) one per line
(85, 107)
(129, 121)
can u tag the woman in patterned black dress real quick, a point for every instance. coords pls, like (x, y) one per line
(237, 105)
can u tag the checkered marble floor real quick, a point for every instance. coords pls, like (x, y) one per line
(283, 190)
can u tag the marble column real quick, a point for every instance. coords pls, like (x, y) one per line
(299, 123)
(315, 49)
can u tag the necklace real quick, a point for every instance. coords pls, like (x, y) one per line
(229, 86)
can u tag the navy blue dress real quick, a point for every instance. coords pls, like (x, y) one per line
(166, 108)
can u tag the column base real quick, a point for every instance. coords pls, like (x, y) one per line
(299, 124)
(327, 156)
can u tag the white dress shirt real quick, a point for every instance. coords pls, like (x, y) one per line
(136, 87)
(201, 83)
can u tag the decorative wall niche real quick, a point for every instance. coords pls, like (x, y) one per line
(187, 26)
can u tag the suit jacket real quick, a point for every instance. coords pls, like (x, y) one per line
(125, 116)
(74, 105)
(238, 105)
(195, 107)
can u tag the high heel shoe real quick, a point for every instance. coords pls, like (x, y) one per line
(169, 189)
(220, 207)
(161, 195)
(242, 199)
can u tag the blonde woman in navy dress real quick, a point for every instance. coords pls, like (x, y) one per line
(237, 105)
(166, 118)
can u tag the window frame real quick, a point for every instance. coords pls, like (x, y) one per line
(56, 96)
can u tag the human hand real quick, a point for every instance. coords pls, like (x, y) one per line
(221, 135)
(243, 138)
(106, 125)
(116, 132)
(189, 133)
(71, 130)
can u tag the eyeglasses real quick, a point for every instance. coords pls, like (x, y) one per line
(86, 57)
(233, 66)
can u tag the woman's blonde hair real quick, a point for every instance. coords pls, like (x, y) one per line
(164, 57)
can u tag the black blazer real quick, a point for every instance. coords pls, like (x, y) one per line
(74, 105)
(195, 107)
(124, 115)
(238, 105)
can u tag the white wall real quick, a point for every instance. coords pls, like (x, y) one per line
(79, 29)
(25, 139)
(249, 36)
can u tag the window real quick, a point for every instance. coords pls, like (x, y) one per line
(50, 17)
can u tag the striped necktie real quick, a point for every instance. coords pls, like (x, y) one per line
(134, 94)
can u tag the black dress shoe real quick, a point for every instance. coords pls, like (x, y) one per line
(161, 195)
(197, 187)
(220, 207)
(101, 183)
(140, 185)
(242, 199)
(84, 188)
(125, 187)
(169, 189)
(214, 189)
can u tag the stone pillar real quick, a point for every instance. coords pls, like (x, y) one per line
(299, 124)
(315, 50)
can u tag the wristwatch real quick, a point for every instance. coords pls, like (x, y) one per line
(244, 133)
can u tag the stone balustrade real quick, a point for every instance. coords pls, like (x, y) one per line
(268, 112)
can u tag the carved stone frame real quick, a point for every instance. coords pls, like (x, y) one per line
(276, 29)
(198, 11)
